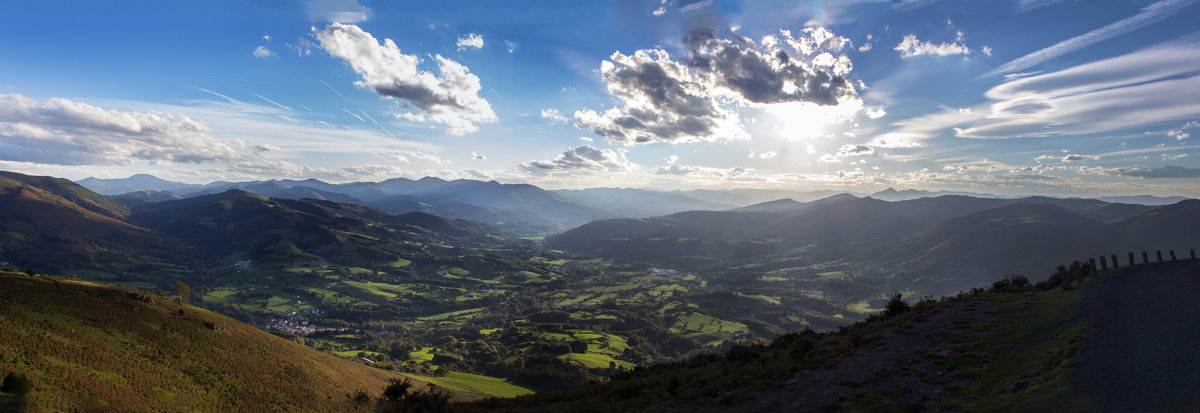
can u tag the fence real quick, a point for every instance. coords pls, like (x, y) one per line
(1158, 255)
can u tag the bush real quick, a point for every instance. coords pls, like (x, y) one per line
(895, 306)
(1011, 283)
(16, 383)
(398, 398)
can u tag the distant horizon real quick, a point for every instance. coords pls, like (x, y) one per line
(856, 191)
(851, 96)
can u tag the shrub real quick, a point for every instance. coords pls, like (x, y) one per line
(896, 306)
(1011, 283)
(16, 383)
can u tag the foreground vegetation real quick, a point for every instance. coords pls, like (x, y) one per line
(1008, 348)
(86, 346)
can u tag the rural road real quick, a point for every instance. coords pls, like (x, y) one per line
(1144, 348)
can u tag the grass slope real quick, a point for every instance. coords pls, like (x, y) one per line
(89, 346)
(1007, 349)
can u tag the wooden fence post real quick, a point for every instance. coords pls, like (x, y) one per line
(1103, 263)
(1131, 261)
(1158, 253)
(1092, 266)
(1114, 260)
(1145, 258)
(1172, 255)
(1193, 253)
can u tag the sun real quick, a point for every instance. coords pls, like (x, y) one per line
(803, 121)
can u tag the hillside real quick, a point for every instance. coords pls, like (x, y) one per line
(1014, 347)
(943, 244)
(44, 230)
(1007, 349)
(88, 346)
(72, 192)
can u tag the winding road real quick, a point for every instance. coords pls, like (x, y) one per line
(1144, 348)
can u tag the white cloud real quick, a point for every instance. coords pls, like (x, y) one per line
(696, 97)
(1149, 15)
(581, 159)
(262, 52)
(1179, 133)
(511, 46)
(267, 148)
(854, 150)
(470, 41)
(1076, 158)
(1165, 172)
(767, 155)
(425, 156)
(910, 5)
(703, 172)
(911, 47)
(62, 132)
(336, 11)
(1173, 157)
(810, 149)
(828, 158)
(1142, 89)
(478, 156)
(451, 98)
(554, 115)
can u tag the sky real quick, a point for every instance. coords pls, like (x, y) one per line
(1013, 97)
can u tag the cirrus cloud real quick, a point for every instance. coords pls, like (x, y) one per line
(1164, 172)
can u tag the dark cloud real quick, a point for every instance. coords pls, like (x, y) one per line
(692, 98)
(583, 158)
(854, 150)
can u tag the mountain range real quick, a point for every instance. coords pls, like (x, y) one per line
(934, 244)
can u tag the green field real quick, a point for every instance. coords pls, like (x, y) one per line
(597, 361)
(474, 383)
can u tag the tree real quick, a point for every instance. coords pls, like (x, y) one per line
(895, 306)
(185, 292)
(16, 383)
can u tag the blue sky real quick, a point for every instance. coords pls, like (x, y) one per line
(1008, 96)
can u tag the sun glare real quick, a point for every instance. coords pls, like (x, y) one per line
(795, 121)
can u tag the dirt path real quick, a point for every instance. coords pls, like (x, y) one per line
(1144, 349)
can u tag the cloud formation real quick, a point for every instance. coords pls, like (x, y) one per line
(1180, 134)
(1142, 89)
(554, 115)
(336, 11)
(583, 158)
(854, 150)
(262, 52)
(912, 47)
(693, 98)
(1149, 15)
(470, 41)
(62, 132)
(1165, 172)
(450, 98)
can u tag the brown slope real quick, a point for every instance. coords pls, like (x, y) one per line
(42, 229)
(89, 346)
(72, 192)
